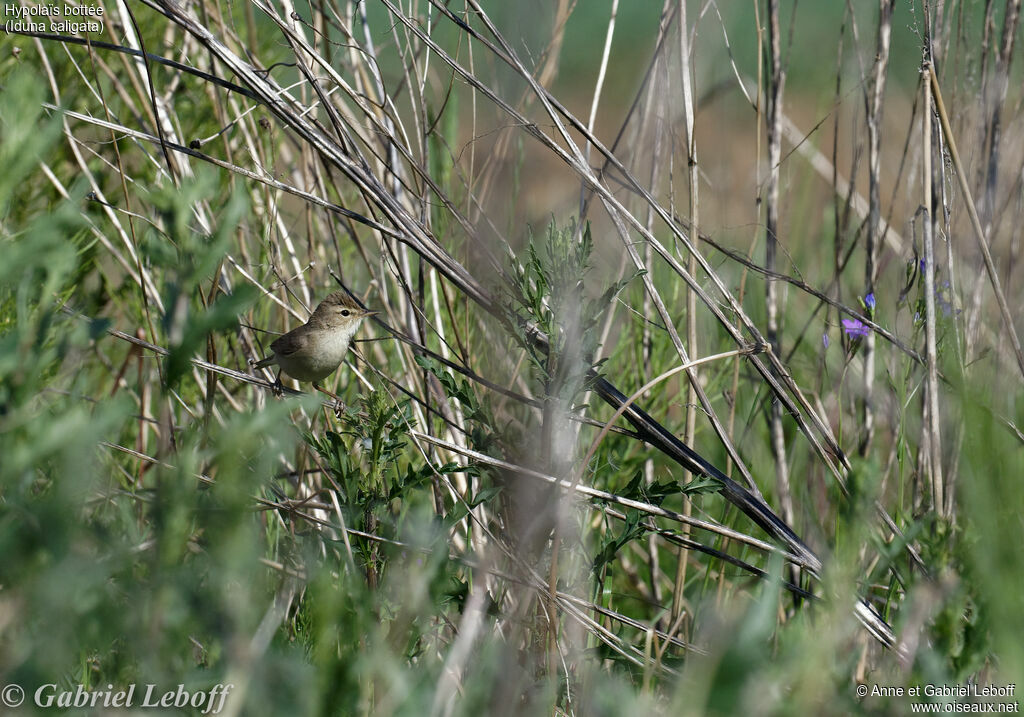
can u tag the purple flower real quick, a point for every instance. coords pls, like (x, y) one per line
(869, 301)
(855, 328)
(824, 340)
(922, 266)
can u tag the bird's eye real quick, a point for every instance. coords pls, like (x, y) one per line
(344, 312)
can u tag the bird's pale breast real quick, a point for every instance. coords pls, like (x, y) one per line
(322, 353)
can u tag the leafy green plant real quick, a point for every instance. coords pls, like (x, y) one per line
(547, 296)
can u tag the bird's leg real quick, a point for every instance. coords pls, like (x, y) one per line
(339, 405)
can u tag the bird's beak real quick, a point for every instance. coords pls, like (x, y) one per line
(368, 314)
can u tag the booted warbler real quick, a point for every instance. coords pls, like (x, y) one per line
(314, 350)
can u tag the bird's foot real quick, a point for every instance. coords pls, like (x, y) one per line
(338, 406)
(277, 387)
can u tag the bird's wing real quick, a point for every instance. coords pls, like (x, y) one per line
(290, 344)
